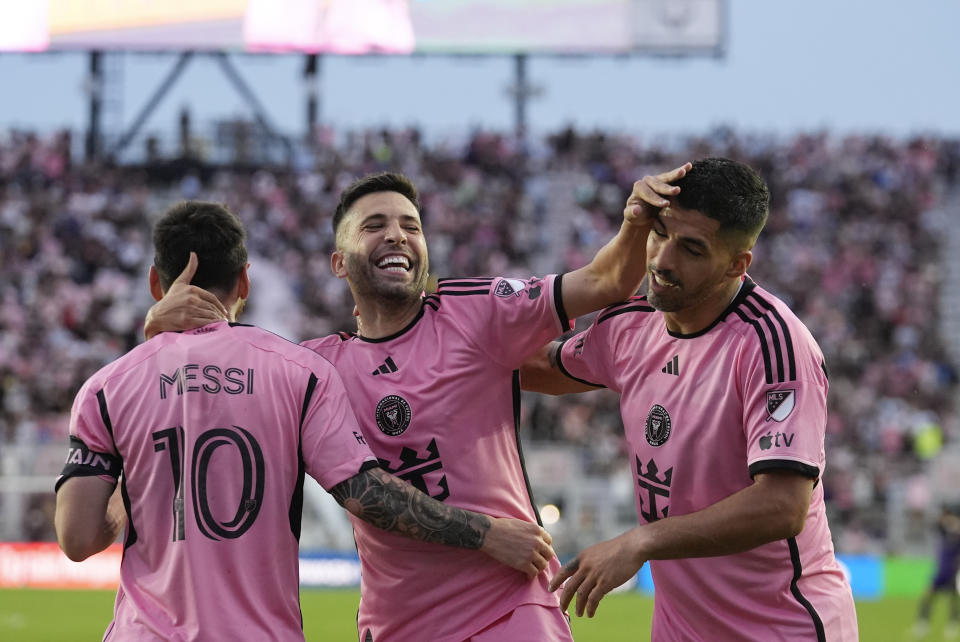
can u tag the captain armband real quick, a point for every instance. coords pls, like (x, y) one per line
(83, 462)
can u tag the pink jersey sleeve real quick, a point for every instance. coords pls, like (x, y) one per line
(91, 451)
(509, 318)
(333, 446)
(785, 413)
(589, 357)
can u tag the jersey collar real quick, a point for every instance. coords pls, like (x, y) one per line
(746, 287)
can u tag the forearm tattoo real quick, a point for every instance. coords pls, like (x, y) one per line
(387, 502)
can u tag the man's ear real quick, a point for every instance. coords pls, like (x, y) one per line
(338, 264)
(155, 289)
(740, 263)
(243, 283)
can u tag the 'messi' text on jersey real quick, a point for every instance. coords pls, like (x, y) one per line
(211, 379)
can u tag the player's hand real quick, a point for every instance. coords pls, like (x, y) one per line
(650, 195)
(184, 306)
(595, 572)
(524, 546)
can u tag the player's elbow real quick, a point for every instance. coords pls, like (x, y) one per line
(793, 525)
(623, 289)
(78, 542)
(75, 548)
(788, 518)
(539, 374)
(784, 501)
(534, 378)
(75, 555)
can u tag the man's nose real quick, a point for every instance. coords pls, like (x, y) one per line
(396, 234)
(663, 260)
(659, 257)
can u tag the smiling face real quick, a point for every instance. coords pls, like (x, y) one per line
(381, 250)
(692, 272)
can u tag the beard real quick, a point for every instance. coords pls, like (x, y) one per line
(367, 282)
(677, 298)
(666, 303)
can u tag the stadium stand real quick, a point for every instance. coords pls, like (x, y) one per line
(856, 244)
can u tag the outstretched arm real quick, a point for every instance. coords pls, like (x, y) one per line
(183, 306)
(616, 271)
(541, 373)
(387, 502)
(774, 507)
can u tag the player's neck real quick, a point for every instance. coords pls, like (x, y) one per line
(703, 314)
(234, 307)
(383, 319)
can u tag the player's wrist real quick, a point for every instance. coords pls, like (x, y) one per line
(150, 329)
(490, 533)
(636, 223)
(641, 544)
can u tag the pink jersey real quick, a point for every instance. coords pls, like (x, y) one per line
(213, 429)
(438, 403)
(703, 413)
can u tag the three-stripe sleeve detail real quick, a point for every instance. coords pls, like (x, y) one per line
(636, 304)
(776, 343)
(464, 287)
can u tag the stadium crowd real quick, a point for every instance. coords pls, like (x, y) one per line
(852, 246)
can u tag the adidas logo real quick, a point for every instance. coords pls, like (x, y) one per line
(387, 367)
(673, 366)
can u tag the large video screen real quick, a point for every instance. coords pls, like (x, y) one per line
(364, 26)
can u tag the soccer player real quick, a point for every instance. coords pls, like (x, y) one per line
(210, 433)
(434, 383)
(944, 581)
(723, 396)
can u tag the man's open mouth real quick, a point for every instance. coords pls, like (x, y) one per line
(394, 263)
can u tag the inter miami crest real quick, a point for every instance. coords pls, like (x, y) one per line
(780, 404)
(658, 425)
(393, 415)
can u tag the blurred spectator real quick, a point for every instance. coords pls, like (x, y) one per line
(852, 243)
(944, 581)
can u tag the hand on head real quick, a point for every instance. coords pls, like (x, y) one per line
(650, 195)
(184, 306)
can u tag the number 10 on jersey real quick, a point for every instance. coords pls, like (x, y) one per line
(172, 441)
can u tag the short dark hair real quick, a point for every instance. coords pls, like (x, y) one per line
(729, 192)
(371, 184)
(209, 229)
